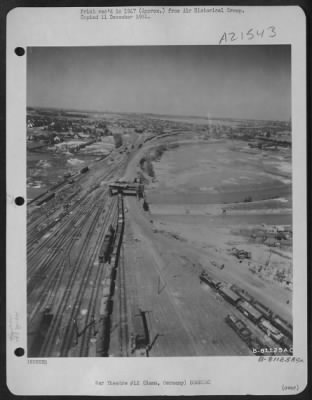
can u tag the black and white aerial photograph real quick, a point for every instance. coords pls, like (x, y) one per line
(159, 201)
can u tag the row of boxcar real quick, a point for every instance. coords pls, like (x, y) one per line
(274, 326)
(112, 240)
(120, 223)
(244, 333)
(46, 198)
(107, 246)
(266, 313)
(109, 254)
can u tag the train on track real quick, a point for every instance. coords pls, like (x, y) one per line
(110, 254)
(141, 338)
(45, 199)
(112, 239)
(244, 333)
(107, 246)
(272, 325)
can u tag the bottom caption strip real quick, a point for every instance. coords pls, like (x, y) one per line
(147, 382)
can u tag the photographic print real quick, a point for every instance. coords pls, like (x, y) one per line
(156, 201)
(159, 201)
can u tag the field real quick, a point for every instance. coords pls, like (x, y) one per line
(214, 173)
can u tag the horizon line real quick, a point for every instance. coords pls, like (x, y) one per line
(156, 114)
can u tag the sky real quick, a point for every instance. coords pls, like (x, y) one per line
(251, 82)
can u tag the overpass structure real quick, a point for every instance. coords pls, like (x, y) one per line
(127, 188)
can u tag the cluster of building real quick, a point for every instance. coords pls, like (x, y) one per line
(273, 236)
(62, 128)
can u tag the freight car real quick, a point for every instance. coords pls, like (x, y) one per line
(84, 170)
(141, 335)
(228, 294)
(254, 344)
(249, 311)
(120, 206)
(242, 293)
(119, 231)
(270, 330)
(106, 248)
(284, 326)
(45, 199)
(239, 327)
(204, 277)
(267, 313)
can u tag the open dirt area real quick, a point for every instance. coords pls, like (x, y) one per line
(216, 173)
(214, 199)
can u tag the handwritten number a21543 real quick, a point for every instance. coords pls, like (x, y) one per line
(269, 32)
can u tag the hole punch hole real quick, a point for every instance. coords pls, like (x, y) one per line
(19, 201)
(19, 352)
(19, 51)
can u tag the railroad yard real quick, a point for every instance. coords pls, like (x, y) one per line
(153, 236)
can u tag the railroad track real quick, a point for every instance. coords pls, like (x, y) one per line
(38, 269)
(53, 329)
(64, 223)
(89, 322)
(123, 312)
(50, 285)
(37, 235)
(58, 320)
(42, 269)
(67, 341)
(54, 278)
(109, 273)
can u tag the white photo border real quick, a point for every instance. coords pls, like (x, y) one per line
(27, 27)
